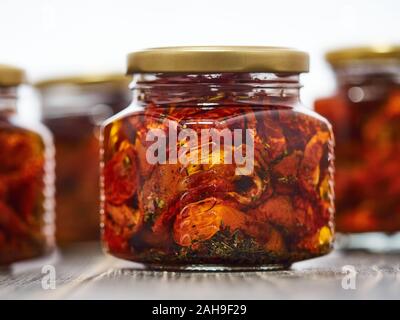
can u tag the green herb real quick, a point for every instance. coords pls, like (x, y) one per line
(287, 179)
(160, 203)
(225, 245)
(149, 217)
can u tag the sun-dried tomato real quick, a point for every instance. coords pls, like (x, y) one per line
(310, 170)
(212, 211)
(3, 190)
(197, 222)
(286, 173)
(124, 221)
(23, 182)
(18, 143)
(278, 211)
(273, 138)
(120, 176)
(275, 242)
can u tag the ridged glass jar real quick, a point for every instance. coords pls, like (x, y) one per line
(26, 179)
(216, 164)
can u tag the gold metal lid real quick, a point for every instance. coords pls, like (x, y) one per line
(218, 59)
(378, 53)
(117, 79)
(11, 76)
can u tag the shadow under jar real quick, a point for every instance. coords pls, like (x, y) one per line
(216, 165)
(26, 179)
(73, 108)
(365, 114)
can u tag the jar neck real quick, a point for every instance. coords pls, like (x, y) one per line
(369, 73)
(8, 101)
(96, 101)
(366, 82)
(216, 89)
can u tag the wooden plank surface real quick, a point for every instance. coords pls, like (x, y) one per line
(84, 272)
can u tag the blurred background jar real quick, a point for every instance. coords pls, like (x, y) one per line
(26, 178)
(365, 113)
(72, 108)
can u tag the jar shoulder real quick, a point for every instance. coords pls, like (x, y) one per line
(16, 124)
(246, 115)
(313, 113)
(130, 111)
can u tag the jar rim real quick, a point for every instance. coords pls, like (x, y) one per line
(373, 54)
(208, 59)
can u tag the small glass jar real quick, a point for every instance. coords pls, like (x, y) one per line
(72, 108)
(216, 164)
(26, 179)
(365, 114)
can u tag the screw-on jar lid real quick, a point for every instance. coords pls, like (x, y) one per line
(11, 76)
(218, 59)
(370, 54)
(88, 79)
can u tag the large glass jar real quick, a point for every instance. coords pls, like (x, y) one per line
(365, 114)
(72, 108)
(26, 179)
(216, 164)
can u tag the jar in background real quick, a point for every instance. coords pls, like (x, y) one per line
(72, 108)
(365, 114)
(216, 164)
(26, 179)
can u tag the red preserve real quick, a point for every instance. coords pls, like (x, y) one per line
(216, 164)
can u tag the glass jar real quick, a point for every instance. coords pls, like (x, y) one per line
(26, 179)
(365, 114)
(216, 164)
(72, 108)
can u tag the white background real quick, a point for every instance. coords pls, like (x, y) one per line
(59, 37)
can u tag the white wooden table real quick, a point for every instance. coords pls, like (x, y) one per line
(84, 272)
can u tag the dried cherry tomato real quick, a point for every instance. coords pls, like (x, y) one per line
(120, 176)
